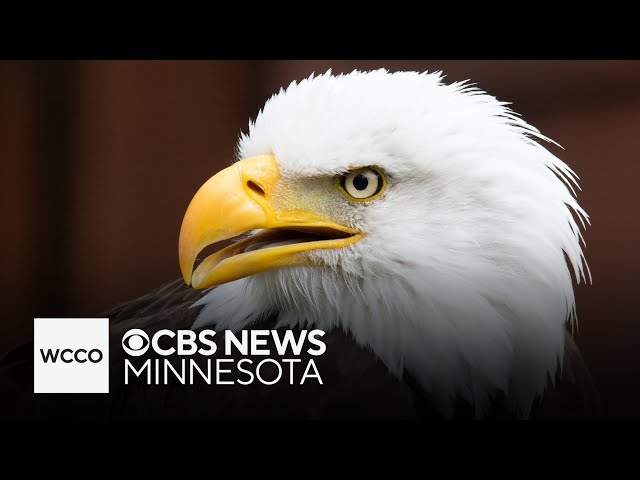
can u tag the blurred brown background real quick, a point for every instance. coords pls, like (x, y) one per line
(99, 160)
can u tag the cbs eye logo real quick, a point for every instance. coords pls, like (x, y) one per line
(135, 342)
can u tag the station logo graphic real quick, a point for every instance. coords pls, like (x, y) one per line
(71, 355)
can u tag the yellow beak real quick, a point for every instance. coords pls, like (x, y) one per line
(239, 199)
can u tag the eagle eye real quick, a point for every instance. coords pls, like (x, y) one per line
(362, 184)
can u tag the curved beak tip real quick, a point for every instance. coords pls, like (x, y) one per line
(221, 209)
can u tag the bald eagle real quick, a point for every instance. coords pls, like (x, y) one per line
(422, 225)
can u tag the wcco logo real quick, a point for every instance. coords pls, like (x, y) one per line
(71, 355)
(81, 355)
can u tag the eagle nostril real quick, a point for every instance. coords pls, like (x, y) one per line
(255, 188)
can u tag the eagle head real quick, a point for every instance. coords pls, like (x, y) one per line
(425, 219)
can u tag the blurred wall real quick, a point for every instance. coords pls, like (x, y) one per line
(100, 159)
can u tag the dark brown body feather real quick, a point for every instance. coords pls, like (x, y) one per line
(355, 383)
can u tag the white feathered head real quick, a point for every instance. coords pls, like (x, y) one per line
(424, 218)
